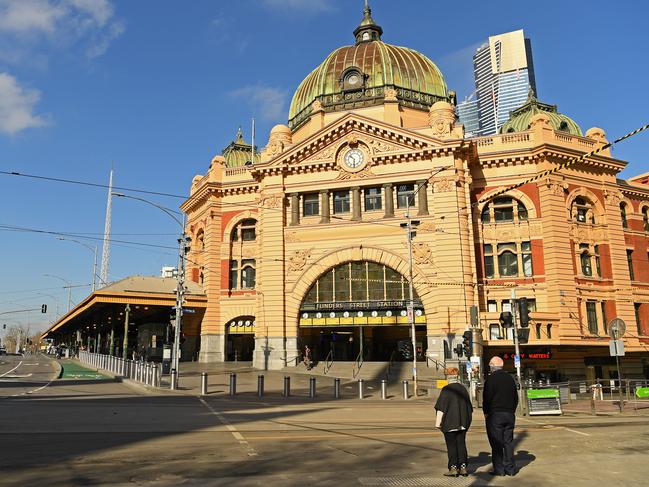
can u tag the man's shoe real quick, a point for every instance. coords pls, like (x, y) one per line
(497, 474)
(452, 472)
(512, 473)
(463, 471)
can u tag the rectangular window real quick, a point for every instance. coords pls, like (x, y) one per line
(488, 260)
(504, 212)
(492, 306)
(234, 274)
(359, 281)
(494, 332)
(629, 261)
(538, 332)
(394, 284)
(311, 204)
(526, 249)
(531, 305)
(326, 288)
(341, 202)
(375, 281)
(248, 234)
(591, 314)
(248, 274)
(405, 195)
(549, 330)
(604, 319)
(373, 199)
(638, 323)
(506, 305)
(598, 266)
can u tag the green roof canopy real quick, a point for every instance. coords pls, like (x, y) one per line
(519, 119)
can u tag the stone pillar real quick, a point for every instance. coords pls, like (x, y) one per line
(389, 201)
(423, 197)
(295, 209)
(356, 203)
(111, 350)
(324, 203)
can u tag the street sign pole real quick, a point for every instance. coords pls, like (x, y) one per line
(517, 363)
(616, 330)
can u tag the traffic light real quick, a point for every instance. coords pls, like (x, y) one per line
(524, 312)
(43, 308)
(523, 335)
(4, 327)
(506, 320)
(458, 349)
(467, 343)
(474, 317)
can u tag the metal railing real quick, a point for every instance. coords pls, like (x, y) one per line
(147, 373)
(438, 365)
(328, 362)
(358, 363)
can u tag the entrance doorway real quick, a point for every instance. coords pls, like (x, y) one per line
(239, 348)
(379, 343)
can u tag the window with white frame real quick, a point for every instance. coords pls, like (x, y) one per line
(589, 260)
(583, 210)
(246, 230)
(508, 259)
(494, 331)
(504, 209)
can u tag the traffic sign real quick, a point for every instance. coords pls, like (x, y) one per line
(616, 348)
(189, 310)
(616, 328)
(517, 361)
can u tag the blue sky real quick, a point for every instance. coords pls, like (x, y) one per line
(156, 88)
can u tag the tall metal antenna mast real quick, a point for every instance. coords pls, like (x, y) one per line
(105, 254)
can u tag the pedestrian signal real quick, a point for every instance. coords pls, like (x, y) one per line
(467, 342)
(524, 312)
(506, 319)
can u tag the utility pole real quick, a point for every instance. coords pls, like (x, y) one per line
(180, 298)
(411, 305)
(105, 253)
(517, 360)
(127, 310)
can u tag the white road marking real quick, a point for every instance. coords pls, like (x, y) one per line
(238, 436)
(555, 426)
(16, 376)
(2, 375)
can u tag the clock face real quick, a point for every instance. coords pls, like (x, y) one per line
(354, 158)
(353, 79)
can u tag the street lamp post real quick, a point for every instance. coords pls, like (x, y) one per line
(69, 286)
(411, 305)
(94, 262)
(183, 246)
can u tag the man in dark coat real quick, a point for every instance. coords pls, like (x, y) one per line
(499, 402)
(454, 413)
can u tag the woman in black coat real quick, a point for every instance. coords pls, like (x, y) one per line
(454, 413)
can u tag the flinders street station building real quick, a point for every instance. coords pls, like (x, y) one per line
(300, 242)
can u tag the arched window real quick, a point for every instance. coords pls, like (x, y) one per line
(507, 260)
(504, 209)
(200, 240)
(625, 223)
(246, 230)
(582, 210)
(510, 257)
(359, 281)
(645, 218)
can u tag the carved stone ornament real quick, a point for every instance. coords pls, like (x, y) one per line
(555, 188)
(275, 148)
(427, 227)
(248, 252)
(291, 237)
(581, 233)
(350, 176)
(391, 94)
(327, 154)
(272, 201)
(613, 197)
(298, 260)
(422, 253)
(441, 127)
(316, 106)
(378, 146)
(443, 185)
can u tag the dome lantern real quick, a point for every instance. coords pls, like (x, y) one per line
(367, 30)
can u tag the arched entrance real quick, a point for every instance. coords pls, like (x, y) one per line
(361, 307)
(240, 339)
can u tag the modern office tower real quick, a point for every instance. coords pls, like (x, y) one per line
(467, 112)
(504, 74)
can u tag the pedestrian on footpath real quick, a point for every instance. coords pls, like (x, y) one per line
(499, 403)
(454, 414)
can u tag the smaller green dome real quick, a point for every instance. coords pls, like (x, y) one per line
(239, 152)
(519, 119)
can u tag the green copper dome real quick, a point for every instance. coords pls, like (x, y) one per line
(519, 119)
(359, 75)
(239, 152)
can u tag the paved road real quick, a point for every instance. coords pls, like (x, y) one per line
(25, 375)
(89, 432)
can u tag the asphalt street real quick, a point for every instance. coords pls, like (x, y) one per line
(104, 432)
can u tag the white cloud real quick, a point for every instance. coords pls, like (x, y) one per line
(267, 102)
(303, 6)
(61, 23)
(17, 106)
